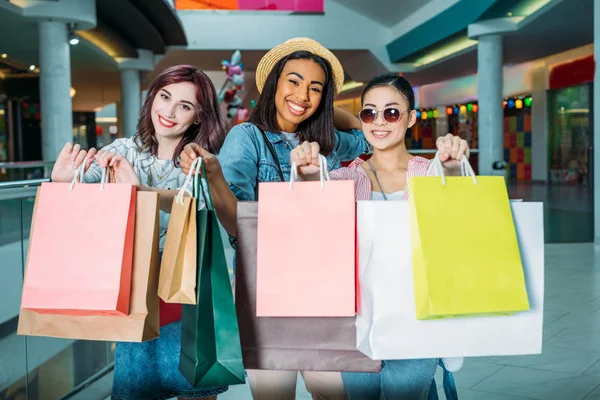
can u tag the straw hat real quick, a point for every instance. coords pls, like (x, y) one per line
(267, 63)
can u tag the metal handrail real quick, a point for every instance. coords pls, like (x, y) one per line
(26, 164)
(20, 189)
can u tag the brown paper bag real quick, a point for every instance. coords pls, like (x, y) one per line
(142, 323)
(177, 283)
(287, 343)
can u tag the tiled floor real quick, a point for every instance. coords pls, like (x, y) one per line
(569, 366)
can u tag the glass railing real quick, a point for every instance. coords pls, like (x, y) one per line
(37, 368)
(22, 171)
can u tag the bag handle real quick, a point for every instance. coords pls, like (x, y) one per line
(197, 166)
(78, 177)
(323, 172)
(436, 168)
(192, 175)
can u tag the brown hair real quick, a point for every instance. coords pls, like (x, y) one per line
(209, 133)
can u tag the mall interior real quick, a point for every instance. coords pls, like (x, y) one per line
(514, 78)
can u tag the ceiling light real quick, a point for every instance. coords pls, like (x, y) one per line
(72, 92)
(73, 39)
(32, 67)
(457, 45)
(4, 55)
(351, 85)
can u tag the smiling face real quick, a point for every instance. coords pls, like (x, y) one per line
(382, 134)
(299, 91)
(174, 110)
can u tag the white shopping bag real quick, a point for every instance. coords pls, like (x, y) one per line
(387, 327)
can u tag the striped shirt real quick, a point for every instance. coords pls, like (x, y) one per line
(150, 170)
(362, 183)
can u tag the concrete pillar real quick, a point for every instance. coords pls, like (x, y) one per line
(489, 94)
(596, 118)
(131, 96)
(130, 100)
(55, 66)
(55, 86)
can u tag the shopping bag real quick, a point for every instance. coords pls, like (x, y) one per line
(280, 343)
(464, 242)
(63, 276)
(387, 325)
(210, 340)
(142, 322)
(306, 253)
(177, 282)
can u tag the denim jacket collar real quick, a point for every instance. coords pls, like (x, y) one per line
(274, 137)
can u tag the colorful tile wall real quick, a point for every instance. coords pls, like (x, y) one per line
(517, 146)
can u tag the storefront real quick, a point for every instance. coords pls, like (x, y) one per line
(570, 132)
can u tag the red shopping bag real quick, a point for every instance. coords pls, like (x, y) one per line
(81, 250)
(306, 249)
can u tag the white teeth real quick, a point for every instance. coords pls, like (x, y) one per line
(296, 107)
(166, 123)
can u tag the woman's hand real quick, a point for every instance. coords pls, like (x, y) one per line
(223, 199)
(124, 172)
(306, 158)
(191, 152)
(69, 159)
(451, 150)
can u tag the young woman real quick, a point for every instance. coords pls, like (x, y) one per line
(181, 108)
(298, 81)
(388, 111)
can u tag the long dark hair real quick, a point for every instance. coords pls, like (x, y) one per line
(397, 82)
(319, 126)
(209, 133)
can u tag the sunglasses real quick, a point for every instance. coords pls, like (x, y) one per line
(390, 115)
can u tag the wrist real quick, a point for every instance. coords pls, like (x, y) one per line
(308, 177)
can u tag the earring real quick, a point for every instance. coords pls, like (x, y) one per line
(197, 122)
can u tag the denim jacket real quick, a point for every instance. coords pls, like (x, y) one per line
(246, 159)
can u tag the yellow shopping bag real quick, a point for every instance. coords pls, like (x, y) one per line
(465, 254)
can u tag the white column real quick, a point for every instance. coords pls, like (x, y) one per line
(55, 87)
(130, 100)
(596, 140)
(131, 95)
(489, 94)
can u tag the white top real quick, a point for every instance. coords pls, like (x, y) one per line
(291, 139)
(151, 171)
(391, 196)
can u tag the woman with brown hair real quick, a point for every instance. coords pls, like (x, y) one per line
(181, 107)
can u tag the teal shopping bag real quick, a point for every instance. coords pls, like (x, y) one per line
(211, 353)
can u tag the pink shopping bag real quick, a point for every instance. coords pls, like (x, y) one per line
(81, 250)
(306, 249)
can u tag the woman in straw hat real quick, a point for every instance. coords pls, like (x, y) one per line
(298, 81)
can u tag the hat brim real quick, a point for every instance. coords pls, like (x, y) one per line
(266, 64)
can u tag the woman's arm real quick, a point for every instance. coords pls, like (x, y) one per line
(223, 199)
(225, 203)
(344, 121)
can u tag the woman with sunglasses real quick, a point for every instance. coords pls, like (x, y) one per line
(388, 111)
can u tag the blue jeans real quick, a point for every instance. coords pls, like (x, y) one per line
(150, 370)
(398, 380)
(449, 386)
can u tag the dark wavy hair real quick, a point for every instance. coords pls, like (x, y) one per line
(209, 133)
(319, 127)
